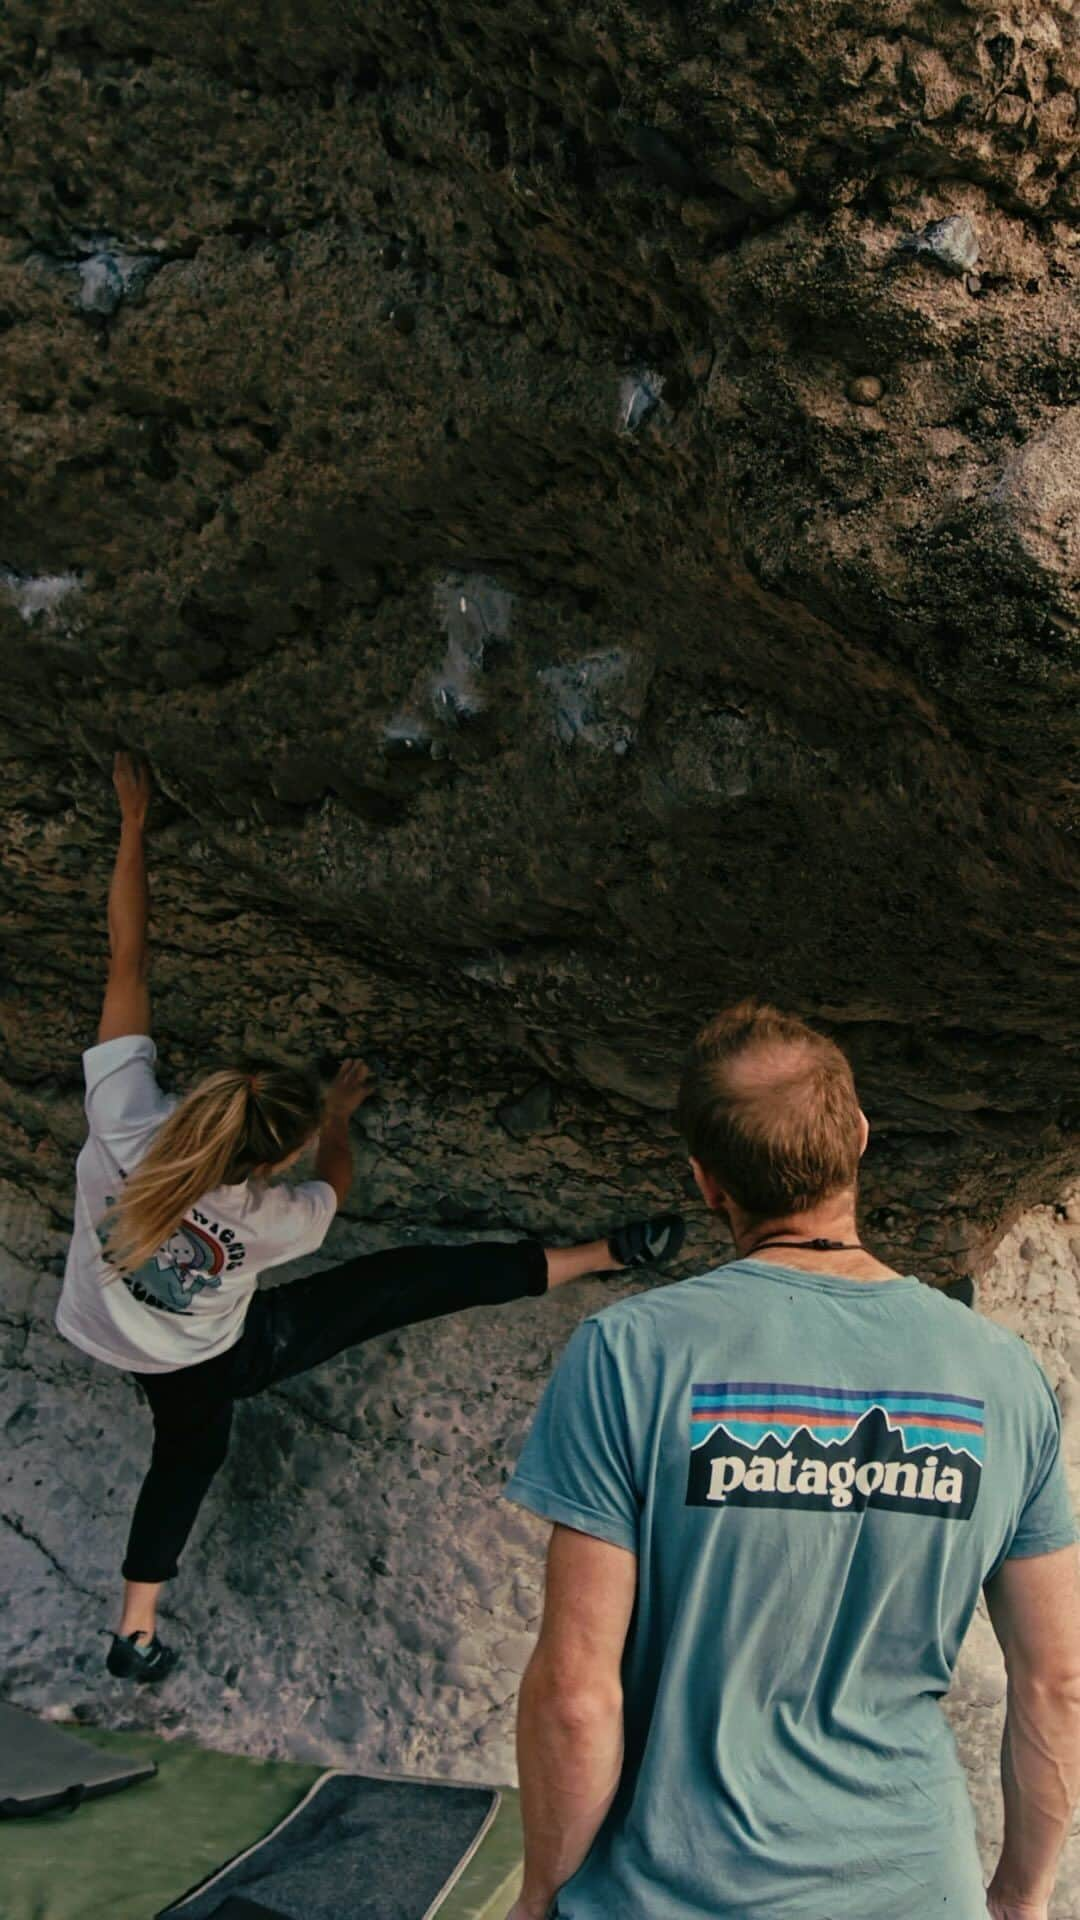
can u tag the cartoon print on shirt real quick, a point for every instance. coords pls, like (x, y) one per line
(190, 1262)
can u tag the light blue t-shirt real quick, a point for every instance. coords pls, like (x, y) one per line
(816, 1475)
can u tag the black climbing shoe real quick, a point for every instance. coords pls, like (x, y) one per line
(645, 1243)
(151, 1662)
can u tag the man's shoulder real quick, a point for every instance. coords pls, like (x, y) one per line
(658, 1309)
(998, 1361)
(657, 1315)
(959, 1322)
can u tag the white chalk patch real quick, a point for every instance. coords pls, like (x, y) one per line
(579, 692)
(474, 613)
(109, 274)
(35, 594)
(639, 396)
(407, 732)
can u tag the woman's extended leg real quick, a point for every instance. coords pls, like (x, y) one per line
(292, 1328)
(299, 1325)
(572, 1263)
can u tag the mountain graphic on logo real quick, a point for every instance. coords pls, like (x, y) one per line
(870, 1465)
(946, 1444)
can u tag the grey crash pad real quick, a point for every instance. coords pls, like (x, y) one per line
(376, 1849)
(41, 1766)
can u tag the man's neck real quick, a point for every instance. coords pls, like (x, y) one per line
(834, 1220)
(831, 1221)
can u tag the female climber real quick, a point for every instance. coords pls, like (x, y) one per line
(177, 1211)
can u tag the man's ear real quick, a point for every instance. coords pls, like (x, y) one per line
(710, 1190)
(864, 1132)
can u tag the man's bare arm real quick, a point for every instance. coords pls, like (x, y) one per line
(126, 1007)
(1035, 1610)
(570, 1719)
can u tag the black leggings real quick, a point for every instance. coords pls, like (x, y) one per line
(287, 1330)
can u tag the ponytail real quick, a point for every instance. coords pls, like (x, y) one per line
(233, 1122)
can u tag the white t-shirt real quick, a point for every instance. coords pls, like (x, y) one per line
(188, 1302)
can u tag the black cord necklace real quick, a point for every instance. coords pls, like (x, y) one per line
(816, 1246)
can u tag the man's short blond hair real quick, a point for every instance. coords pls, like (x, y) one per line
(769, 1109)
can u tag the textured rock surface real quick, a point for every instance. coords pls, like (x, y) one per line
(581, 512)
(582, 515)
(356, 1591)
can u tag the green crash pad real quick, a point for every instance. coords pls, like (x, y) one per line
(128, 1856)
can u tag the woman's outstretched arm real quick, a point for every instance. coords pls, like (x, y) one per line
(126, 1008)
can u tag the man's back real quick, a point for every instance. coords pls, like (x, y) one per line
(817, 1475)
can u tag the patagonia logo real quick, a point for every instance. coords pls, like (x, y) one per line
(834, 1450)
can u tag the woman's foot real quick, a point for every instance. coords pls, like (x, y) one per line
(137, 1656)
(138, 1616)
(640, 1243)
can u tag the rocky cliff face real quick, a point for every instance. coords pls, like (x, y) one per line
(581, 513)
(580, 508)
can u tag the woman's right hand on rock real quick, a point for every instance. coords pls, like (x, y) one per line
(351, 1086)
(131, 778)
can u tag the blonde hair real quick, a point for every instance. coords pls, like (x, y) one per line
(233, 1122)
(768, 1107)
